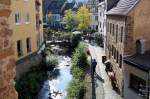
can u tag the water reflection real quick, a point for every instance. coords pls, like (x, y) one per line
(55, 87)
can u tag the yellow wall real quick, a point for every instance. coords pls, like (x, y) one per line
(23, 31)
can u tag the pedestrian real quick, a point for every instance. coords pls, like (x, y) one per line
(94, 63)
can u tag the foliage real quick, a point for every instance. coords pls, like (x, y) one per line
(79, 58)
(98, 39)
(75, 91)
(78, 70)
(70, 20)
(51, 60)
(48, 34)
(66, 36)
(29, 84)
(50, 19)
(75, 39)
(83, 16)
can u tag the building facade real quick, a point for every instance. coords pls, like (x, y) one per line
(127, 39)
(92, 5)
(115, 46)
(25, 21)
(52, 13)
(103, 7)
(137, 61)
(102, 17)
(118, 26)
(7, 59)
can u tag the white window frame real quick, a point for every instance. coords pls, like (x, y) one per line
(27, 18)
(17, 19)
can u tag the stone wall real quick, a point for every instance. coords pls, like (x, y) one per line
(129, 45)
(119, 46)
(7, 60)
(24, 65)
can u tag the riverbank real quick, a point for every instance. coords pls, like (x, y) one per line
(30, 83)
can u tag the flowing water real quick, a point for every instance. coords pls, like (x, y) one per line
(56, 86)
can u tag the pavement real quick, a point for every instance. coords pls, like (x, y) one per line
(103, 87)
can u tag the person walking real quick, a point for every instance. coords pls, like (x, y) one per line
(94, 64)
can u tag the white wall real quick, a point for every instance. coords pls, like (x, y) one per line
(101, 18)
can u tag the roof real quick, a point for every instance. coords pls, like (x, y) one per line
(67, 6)
(123, 7)
(141, 61)
(53, 6)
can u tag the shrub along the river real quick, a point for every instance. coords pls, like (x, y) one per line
(51, 61)
(78, 70)
(29, 84)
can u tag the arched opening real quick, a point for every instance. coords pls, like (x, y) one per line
(138, 47)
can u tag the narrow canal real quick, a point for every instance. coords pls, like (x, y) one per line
(55, 87)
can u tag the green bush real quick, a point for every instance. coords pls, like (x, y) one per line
(78, 73)
(98, 39)
(78, 70)
(75, 91)
(30, 83)
(75, 39)
(51, 61)
(79, 58)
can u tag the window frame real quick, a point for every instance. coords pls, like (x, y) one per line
(28, 44)
(17, 18)
(19, 48)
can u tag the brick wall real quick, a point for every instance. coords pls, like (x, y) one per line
(7, 61)
(129, 44)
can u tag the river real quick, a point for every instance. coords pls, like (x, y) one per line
(56, 86)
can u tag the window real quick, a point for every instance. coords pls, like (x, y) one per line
(19, 48)
(100, 24)
(138, 85)
(27, 18)
(96, 27)
(115, 53)
(110, 28)
(117, 57)
(121, 35)
(96, 18)
(28, 44)
(100, 14)
(113, 29)
(17, 18)
(116, 33)
(112, 51)
(120, 61)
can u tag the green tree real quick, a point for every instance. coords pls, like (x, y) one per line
(83, 16)
(70, 20)
(50, 19)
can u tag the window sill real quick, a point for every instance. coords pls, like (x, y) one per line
(18, 23)
(27, 22)
(26, 0)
